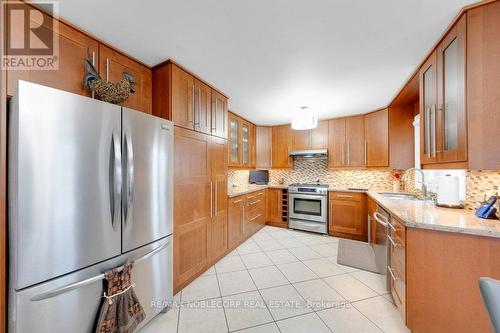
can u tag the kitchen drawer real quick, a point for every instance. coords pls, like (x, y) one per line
(398, 231)
(350, 196)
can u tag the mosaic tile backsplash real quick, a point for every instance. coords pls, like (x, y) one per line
(479, 183)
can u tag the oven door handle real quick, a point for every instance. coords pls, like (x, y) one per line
(307, 196)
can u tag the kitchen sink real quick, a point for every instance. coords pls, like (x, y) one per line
(399, 196)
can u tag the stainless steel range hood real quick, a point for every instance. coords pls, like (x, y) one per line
(309, 154)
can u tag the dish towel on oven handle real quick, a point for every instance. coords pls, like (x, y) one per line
(121, 311)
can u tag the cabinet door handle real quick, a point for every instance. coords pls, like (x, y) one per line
(255, 202)
(427, 134)
(199, 105)
(393, 276)
(366, 152)
(238, 201)
(369, 229)
(211, 199)
(216, 195)
(392, 241)
(343, 153)
(214, 115)
(433, 111)
(343, 196)
(349, 152)
(107, 69)
(254, 218)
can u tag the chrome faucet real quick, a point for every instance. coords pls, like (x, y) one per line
(404, 179)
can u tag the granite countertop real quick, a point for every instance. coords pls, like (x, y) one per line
(425, 215)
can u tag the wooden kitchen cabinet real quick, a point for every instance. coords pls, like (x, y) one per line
(263, 146)
(346, 142)
(218, 238)
(74, 48)
(219, 115)
(242, 137)
(442, 100)
(200, 203)
(301, 139)
(182, 97)
(192, 204)
(113, 64)
(274, 203)
(442, 273)
(188, 101)
(377, 138)
(255, 212)
(319, 136)
(281, 147)
(336, 144)
(316, 138)
(347, 215)
(202, 107)
(483, 86)
(236, 215)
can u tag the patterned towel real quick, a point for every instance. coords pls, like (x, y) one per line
(121, 311)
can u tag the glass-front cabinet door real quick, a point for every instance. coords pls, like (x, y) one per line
(452, 138)
(234, 139)
(245, 144)
(428, 120)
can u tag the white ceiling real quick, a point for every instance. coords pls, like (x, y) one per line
(339, 57)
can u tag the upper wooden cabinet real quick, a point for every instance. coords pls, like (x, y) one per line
(219, 115)
(301, 139)
(263, 145)
(346, 142)
(112, 66)
(483, 86)
(281, 146)
(316, 138)
(241, 147)
(377, 139)
(202, 107)
(74, 48)
(442, 100)
(319, 136)
(188, 102)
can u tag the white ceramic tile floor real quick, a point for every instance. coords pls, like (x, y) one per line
(288, 291)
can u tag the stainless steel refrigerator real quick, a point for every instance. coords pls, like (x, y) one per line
(90, 188)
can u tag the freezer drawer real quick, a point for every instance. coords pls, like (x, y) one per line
(148, 178)
(46, 309)
(64, 183)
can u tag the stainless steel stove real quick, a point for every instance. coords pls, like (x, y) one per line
(308, 207)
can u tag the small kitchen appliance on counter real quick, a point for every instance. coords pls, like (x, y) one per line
(308, 207)
(258, 177)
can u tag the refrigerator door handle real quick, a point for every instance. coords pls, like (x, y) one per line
(82, 283)
(130, 174)
(116, 184)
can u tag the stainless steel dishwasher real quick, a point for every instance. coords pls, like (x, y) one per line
(381, 248)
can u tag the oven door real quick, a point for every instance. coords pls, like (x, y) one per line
(308, 207)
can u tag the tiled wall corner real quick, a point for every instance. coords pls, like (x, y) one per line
(481, 184)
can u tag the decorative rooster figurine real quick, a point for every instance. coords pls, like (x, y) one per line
(109, 92)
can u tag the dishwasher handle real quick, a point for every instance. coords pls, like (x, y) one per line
(380, 219)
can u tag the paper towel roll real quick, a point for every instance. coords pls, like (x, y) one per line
(448, 191)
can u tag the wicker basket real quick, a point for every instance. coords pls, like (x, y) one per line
(112, 92)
